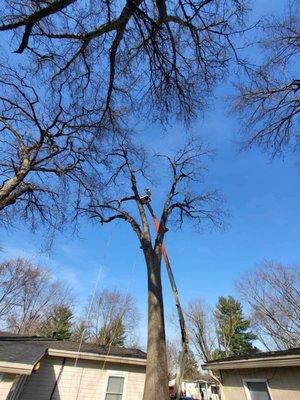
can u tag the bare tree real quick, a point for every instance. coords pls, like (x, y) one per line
(173, 349)
(92, 66)
(112, 318)
(187, 169)
(268, 94)
(272, 292)
(202, 329)
(153, 56)
(13, 277)
(44, 144)
(27, 295)
(191, 369)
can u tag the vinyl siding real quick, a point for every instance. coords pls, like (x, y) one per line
(284, 382)
(135, 385)
(6, 382)
(86, 381)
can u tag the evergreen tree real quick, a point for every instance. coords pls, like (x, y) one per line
(233, 331)
(80, 332)
(59, 323)
(113, 334)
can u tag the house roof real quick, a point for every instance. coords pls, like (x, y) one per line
(19, 353)
(100, 350)
(290, 357)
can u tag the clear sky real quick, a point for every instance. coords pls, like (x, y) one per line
(262, 200)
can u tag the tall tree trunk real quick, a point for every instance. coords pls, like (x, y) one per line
(156, 384)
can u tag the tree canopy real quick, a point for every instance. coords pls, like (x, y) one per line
(158, 57)
(268, 99)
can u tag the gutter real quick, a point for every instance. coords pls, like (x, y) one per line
(280, 361)
(16, 368)
(96, 357)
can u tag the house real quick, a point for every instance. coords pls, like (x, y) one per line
(271, 375)
(194, 387)
(35, 368)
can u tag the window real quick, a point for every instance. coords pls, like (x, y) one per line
(257, 390)
(115, 387)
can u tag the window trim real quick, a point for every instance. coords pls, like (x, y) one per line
(118, 374)
(247, 391)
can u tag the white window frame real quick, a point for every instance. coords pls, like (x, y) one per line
(118, 374)
(247, 391)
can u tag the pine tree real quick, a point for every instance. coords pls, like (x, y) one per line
(59, 323)
(113, 334)
(80, 332)
(233, 331)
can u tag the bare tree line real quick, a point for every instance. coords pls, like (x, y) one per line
(272, 294)
(30, 297)
(27, 295)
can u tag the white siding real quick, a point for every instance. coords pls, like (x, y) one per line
(86, 381)
(283, 382)
(135, 385)
(6, 382)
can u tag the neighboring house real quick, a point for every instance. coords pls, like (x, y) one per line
(34, 368)
(193, 388)
(261, 376)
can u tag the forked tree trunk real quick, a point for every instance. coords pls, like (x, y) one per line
(156, 384)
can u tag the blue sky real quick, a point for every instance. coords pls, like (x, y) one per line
(262, 200)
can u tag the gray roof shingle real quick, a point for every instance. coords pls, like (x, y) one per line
(30, 349)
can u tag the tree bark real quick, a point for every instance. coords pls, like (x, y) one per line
(13, 188)
(156, 384)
